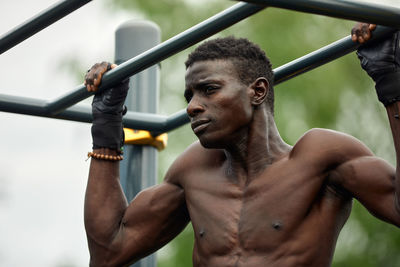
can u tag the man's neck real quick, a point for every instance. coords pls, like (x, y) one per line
(255, 148)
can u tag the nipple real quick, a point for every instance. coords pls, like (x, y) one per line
(277, 225)
(202, 232)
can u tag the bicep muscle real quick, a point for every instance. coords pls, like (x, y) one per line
(371, 181)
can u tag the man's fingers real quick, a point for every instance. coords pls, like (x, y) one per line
(362, 32)
(365, 32)
(91, 88)
(94, 75)
(355, 33)
(367, 36)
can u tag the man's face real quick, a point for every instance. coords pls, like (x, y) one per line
(219, 103)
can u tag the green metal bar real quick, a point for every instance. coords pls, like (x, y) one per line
(352, 10)
(22, 105)
(83, 113)
(160, 52)
(343, 9)
(158, 123)
(323, 55)
(38, 23)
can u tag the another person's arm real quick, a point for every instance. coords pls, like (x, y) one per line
(120, 233)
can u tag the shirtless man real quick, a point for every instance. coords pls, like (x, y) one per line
(253, 200)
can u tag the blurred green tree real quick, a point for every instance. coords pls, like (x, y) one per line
(338, 96)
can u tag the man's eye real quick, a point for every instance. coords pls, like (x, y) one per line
(210, 89)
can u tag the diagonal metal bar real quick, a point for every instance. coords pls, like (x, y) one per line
(323, 55)
(158, 53)
(302, 65)
(38, 23)
(352, 10)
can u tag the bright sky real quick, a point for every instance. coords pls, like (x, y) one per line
(43, 170)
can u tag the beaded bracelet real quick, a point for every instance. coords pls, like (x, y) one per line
(105, 157)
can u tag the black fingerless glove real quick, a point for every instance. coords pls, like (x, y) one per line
(107, 110)
(381, 60)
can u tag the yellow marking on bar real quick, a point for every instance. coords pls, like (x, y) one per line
(141, 137)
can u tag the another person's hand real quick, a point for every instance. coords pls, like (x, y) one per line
(362, 32)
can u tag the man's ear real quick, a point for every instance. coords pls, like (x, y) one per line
(260, 89)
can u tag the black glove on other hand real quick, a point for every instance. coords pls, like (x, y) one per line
(381, 60)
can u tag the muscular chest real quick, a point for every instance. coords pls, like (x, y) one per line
(268, 210)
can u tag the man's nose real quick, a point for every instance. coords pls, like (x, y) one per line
(194, 107)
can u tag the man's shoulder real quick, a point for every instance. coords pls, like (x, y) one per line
(321, 142)
(321, 134)
(194, 158)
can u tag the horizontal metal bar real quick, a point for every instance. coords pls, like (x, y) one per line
(38, 23)
(160, 52)
(133, 120)
(352, 10)
(323, 55)
(145, 121)
(83, 113)
(176, 120)
(22, 105)
(154, 123)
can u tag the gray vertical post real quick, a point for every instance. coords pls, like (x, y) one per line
(138, 170)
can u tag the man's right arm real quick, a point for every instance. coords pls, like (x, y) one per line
(118, 233)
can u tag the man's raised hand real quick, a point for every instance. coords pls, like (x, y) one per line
(95, 73)
(362, 32)
(107, 108)
(381, 60)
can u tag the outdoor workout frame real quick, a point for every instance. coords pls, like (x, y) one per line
(64, 107)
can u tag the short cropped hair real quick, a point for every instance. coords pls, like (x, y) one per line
(248, 58)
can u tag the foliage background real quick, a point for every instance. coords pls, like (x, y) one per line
(337, 96)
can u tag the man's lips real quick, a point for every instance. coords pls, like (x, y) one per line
(199, 125)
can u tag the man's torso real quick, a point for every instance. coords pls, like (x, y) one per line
(289, 215)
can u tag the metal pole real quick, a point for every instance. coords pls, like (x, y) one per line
(352, 10)
(139, 167)
(38, 23)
